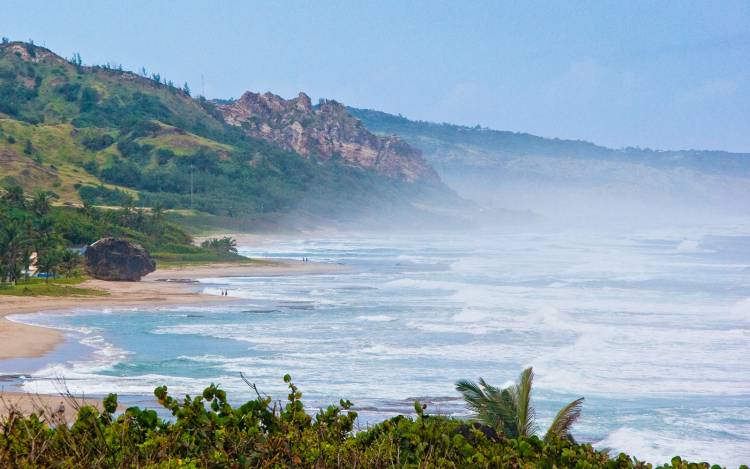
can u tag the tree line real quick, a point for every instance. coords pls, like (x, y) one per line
(36, 232)
(27, 230)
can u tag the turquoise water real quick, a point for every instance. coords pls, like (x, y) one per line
(651, 328)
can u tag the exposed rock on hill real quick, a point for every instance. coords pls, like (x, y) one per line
(117, 259)
(326, 131)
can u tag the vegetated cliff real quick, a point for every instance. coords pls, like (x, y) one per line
(326, 131)
(106, 136)
(574, 180)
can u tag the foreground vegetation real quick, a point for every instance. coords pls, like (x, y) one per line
(510, 411)
(206, 431)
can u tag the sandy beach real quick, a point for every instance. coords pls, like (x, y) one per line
(162, 287)
(170, 286)
(54, 408)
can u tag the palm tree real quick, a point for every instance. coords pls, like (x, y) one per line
(225, 245)
(14, 196)
(42, 202)
(15, 246)
(510, 410)
(50, 262)
(228, 245)
(70, 262)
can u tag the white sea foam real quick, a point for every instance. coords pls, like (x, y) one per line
(468, 315)
(659, 447)
(741, 310)
(688, 245)
(377, 318)
(617, 320)
(42, 320)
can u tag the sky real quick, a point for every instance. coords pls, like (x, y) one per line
(658, 74)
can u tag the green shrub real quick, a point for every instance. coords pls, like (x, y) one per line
(207, 431)
(100, 195)
(98, 142)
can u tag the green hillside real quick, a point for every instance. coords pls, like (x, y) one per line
(450, 146)
(105, 136)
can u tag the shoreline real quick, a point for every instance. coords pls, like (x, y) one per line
(51, 408)
(163, 287)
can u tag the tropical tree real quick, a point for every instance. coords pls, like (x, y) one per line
(44, 236)
(14, 244)
(225, 245)
(70, 263)
(41, 202)
(50, 262)
(14, 196)
(157, 221)
(510, 410)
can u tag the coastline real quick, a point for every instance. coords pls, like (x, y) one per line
(169, 286)
(47, 405)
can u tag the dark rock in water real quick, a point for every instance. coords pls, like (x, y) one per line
(117, 259)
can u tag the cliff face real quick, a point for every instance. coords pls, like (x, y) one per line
(326, 131)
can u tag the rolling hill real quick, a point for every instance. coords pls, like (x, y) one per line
(106, 136)
(576, 180)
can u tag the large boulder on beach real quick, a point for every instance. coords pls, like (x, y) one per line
(117, 259)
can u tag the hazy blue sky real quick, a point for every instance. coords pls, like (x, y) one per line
(660, 74)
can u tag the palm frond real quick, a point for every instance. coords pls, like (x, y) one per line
(521, 393)
(504, 411)
(489, 404)
(564, 420)
(474, 396)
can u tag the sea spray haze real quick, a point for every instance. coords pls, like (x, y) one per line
(651, 329)
(569, 194)
(575, 182)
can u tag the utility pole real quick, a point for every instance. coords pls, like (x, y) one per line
(191, 186)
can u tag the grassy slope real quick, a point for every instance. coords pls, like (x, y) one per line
(54, 287)
(51, 106)
(58, 107)
(57, 155)
(448, 144)
(183, 143)
(55, 162)
(193, 255)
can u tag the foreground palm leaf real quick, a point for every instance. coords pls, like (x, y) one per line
(564, 421)
(510, 410)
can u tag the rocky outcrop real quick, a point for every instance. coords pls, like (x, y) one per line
(326, 131)
(117, 259)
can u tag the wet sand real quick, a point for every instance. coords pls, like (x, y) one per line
(162, 287)
(170, 286)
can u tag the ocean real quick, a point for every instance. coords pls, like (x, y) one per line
(652, 328)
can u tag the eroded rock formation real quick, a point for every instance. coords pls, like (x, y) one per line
(117, 259)
(326, 131)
